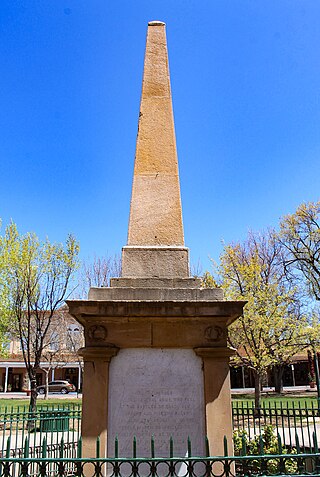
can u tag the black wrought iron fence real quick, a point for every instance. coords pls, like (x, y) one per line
(221, 466)
(48, 443)
(49, 424)
(289, 421)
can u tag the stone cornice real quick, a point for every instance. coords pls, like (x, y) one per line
(227, 310)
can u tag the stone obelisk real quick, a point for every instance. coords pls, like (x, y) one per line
(156, 357)
(155, 237)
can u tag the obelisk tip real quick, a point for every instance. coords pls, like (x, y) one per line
(156, 23)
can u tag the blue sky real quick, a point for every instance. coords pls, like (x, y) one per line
(245, 79)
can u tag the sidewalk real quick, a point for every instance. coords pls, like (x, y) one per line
(23, 395)
(286, 390)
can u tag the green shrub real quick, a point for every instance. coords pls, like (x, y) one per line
(264, 444)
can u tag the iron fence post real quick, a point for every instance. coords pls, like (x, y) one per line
(316, 368)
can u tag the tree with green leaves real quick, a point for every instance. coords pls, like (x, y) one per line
(38, 277)
(300, 235)
(4, 299)
(270, 331)
(4, 321)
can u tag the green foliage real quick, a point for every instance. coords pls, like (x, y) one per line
(266, 443)
(5, 309)
(35, 278)
(37, 273)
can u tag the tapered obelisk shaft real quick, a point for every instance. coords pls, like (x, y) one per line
(155, 215)
(155, 245)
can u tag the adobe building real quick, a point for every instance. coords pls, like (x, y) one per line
(60, 359)
(156, 360)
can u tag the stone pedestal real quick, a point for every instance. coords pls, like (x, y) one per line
(158, 365)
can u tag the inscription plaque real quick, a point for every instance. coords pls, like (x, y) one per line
(156, 392)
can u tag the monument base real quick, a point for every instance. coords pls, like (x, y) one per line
(156, 362)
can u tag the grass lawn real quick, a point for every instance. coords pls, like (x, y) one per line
(22, 404)
(276, 401)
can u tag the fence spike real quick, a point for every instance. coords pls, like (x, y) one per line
(8, 447)
(171, 446)
(189, 447)
(225, 445)
(134, 449)
(152, 447)
(116, 447)
(98, 447)
(207, 446)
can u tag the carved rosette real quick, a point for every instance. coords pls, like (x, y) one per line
(214, 334)
(97, 333)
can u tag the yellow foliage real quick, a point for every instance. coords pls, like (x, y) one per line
(270, 330)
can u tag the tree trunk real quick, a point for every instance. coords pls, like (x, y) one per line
(278, 370)
(312, 373)
(33, 395)
(33, 400)
(257, 392)
(46, 392)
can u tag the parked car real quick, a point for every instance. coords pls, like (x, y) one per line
(63, 387)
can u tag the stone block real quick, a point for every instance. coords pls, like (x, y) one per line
(155, 262)
(155, 294)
